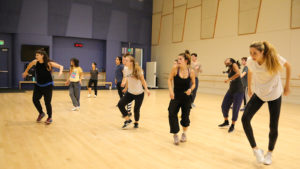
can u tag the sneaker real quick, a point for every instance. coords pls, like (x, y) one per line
(183, 137)
(176, 139)
(193, 105)
(95, 96)
(226, 123)
(126, 124)
(136, 125)
(74, 109)
(259, 154)
(40, 117)
(129, 114)
(78, 108)
(268, 158)
(89, 95)
(242, 109)
(48, 121)
(231, 128)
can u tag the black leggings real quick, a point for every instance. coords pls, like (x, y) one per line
(128, 98)
(38, 92)
(120, 89)
(252, 107)
(95, 82)
(184, 103)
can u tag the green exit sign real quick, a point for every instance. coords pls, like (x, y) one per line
(129, 49)
(1, 42)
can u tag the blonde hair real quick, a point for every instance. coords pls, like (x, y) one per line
(136, 69)
(269, 54)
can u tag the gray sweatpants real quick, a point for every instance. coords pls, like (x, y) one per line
(74, 91)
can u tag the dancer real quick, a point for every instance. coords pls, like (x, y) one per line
(93, 80)
(234, 95)
(264, 72)
(244, 77)
(123, 88)
(133, 82)
(74, 83)
(44, 82)
(197, 69)
(119, 75)
(182, 77)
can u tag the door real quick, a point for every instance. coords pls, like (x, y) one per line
(4, 67)
(151, 74)
(139, 56)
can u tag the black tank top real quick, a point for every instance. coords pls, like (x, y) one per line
(43, 76)
(181, 85)
(236, 84)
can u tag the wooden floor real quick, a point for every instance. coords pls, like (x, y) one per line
(92, 137)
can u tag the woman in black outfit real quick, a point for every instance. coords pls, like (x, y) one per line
(182, 77)
(234, 95)
(93, 80)
(44, 82)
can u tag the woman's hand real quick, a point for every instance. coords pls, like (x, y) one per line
(172, 95)
(67, 83)
(148, 92)
(227, 81)
(287, 90)
(124, 90)
(250, 93)
(188, 92)
(24, 74)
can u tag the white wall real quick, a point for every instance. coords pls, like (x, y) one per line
(273, 26)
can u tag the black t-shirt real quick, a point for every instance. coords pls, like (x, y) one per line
(236, 84)
(43, 76)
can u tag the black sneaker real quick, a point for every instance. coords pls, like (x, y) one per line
(231, 128)
(136, 125)
(126, 124)
(226, 123)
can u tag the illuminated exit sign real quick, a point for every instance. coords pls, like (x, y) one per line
(1, 42)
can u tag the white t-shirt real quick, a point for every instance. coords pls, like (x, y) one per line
(135, 86)
(266, 86)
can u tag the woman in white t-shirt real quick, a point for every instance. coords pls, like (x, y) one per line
(264, 67)
(133, 81)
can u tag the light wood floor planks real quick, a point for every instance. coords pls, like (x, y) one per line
(92, 137)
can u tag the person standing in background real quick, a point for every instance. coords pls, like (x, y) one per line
(197, 69)
(93, 80)
(244, 77)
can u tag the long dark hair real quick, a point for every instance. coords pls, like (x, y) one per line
(75, 61)
(230, 67)
(46, 59)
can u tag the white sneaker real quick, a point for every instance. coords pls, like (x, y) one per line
(77, 108)
(89, 95)
(259, 154)
(193, 105)
(95, 96)
(74, 109)
(268, 158)
(176, 139)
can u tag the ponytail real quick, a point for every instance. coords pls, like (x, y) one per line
(270, 56)
(136, 69)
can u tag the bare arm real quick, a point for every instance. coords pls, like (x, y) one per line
(29, 67)
(192, 75)
(250, 82)
(243, 74)
(287, 80)
(144, 84)
(236, 75)
(58, 66)
(170, 81)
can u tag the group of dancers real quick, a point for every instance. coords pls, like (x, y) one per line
(260, 78)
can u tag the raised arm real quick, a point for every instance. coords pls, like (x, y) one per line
(29, 67)
(58, 66)
(287, 80)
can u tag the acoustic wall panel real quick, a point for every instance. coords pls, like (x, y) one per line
(193, 3)
(248, 16)
(167, 7)
(157, 6)
(178, 23)
(179, 2)
(209, 18)
(295, 14)
(156, 24)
